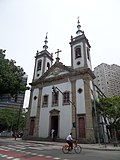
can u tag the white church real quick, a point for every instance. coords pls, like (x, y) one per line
(61, 97)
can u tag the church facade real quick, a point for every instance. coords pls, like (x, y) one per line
(61, 97)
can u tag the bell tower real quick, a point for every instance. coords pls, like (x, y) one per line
(80, 50)
(43, 61)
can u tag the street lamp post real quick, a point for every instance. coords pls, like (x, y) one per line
(55, 90)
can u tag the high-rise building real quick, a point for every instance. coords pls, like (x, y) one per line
(108, 79)
(7, 101)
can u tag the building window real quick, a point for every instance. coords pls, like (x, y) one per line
(66, 98)
(55, 98)
(39, 65)
(48, 65)
(78, 52)
(88, 53)
(45, 101)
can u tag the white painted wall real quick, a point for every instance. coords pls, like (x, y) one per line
(80, 98)
(44, 123)
(34, 103)
(88, 61)
(65, 112)
(66, 121)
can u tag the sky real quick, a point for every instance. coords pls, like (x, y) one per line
(24, 24)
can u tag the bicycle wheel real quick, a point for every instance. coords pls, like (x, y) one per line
(65, 149)
(78, 149)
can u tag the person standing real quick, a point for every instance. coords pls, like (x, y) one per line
(52, 133)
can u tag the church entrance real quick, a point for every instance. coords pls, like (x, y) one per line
(54, 124)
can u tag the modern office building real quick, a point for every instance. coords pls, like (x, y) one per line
(8, 101)
(108, 79)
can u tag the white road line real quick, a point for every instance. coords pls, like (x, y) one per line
(17, 146)
(27, 152)
(33, 153)
(48, 156)
(2, 149)
(40, 155)
(3, 155)
(9, 157)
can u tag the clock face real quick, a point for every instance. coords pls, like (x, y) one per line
(56, 71)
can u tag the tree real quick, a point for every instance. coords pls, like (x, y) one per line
(110, 110)
(10, 76)
(9, 119)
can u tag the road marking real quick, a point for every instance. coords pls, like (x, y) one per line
(3, 155)
(48, 156)
(9, 157)
(33, 153)
(40, 155)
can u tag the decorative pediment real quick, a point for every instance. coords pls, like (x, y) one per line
(54, 112)
(58, 69)
(55, 72)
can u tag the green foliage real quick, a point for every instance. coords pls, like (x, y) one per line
(10, 76)
(110, 108)
(9, 119)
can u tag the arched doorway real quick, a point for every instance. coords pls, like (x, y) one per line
(54, 121)
(54, 124)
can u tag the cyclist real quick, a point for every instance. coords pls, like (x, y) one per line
(69, 140)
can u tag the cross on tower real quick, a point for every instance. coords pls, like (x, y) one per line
(58, 51)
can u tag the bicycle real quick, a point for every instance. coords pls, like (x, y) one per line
(77, 148)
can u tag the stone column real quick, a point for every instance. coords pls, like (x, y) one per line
(90, 136)
(36, 130)
(74, 116)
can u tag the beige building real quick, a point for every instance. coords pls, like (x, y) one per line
(108, 79)
(61, 96)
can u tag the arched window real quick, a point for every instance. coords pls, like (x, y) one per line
(39, 65)
(88, 53)
(48, 65)
(78, 52)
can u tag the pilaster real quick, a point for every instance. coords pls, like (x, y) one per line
(90, 136)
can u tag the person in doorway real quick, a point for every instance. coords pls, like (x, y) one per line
(69, 140)
(52, 134)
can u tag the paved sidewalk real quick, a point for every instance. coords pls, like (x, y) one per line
(107, 147)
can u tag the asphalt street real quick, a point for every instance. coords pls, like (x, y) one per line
(23, 150)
